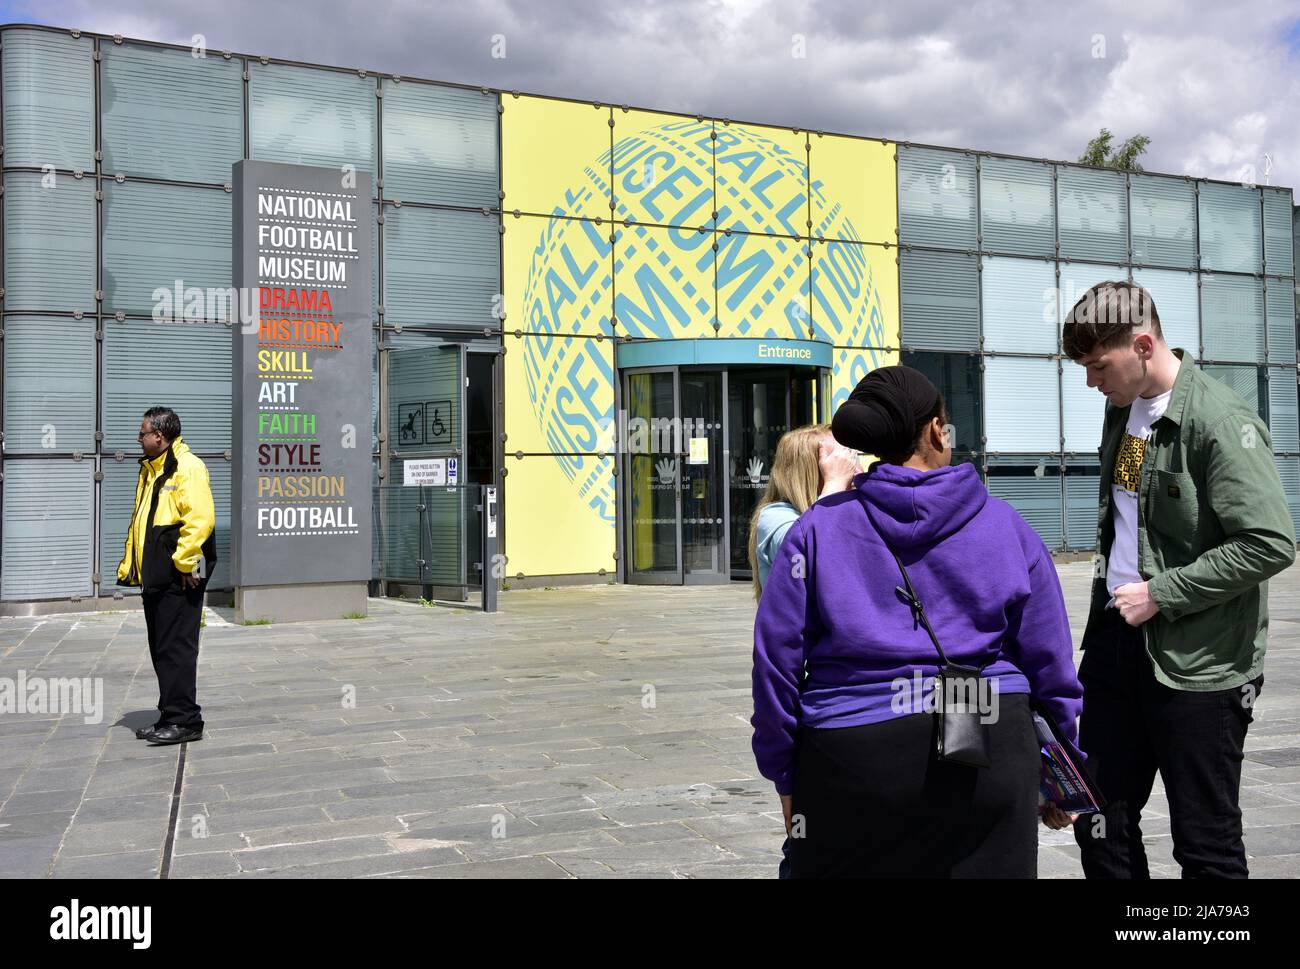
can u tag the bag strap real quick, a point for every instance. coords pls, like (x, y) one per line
(918, 607)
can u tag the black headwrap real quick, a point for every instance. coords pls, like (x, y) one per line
(884, 411)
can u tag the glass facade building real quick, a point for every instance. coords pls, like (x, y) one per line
(542, 238)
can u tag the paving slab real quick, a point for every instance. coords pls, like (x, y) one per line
(445, 743)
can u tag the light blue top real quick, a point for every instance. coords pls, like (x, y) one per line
(773, 522)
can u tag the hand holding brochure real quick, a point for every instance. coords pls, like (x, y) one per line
(1064, 783)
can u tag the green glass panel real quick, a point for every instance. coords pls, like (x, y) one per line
(49, 100)
(307, 116)
(49, 242)
(168, 114)
(440, 144)
(156, 236)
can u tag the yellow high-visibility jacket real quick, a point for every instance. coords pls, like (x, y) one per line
(171, 531)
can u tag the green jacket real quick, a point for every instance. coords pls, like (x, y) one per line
(1213, 526)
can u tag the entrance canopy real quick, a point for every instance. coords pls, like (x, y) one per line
(748, 351)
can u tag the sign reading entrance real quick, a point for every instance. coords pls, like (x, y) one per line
(301, 380)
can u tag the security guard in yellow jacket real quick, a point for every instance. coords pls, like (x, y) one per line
(170, 552)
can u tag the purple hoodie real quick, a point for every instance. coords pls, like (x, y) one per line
(831, 648)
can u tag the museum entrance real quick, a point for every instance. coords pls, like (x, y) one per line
(698, 448)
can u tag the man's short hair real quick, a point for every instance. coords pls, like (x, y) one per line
(165, 421)
(1104, 317)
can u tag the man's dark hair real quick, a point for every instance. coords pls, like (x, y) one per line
(165, 421)
(1104, 317)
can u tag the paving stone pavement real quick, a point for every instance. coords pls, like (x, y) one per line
(584, 732)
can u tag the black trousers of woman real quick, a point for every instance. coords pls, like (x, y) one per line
(876, 803)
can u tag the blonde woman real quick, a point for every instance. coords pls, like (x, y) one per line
(809, 464)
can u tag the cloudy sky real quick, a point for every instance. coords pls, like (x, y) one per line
(1216, 86)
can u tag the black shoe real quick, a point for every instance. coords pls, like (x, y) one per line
(174, 734)
(144, 732)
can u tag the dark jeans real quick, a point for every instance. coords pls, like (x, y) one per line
(875, 802)
(172, 619)
(1133, 726)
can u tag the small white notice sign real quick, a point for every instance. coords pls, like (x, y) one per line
(699, 451)
(425, 471)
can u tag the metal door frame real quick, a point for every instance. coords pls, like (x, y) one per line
(630, 574)
(723, 575)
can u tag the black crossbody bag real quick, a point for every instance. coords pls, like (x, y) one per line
(962, 736)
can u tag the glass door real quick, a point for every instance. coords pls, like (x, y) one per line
(699, 449)
(762, 405)
(653, 478)
(704, 557)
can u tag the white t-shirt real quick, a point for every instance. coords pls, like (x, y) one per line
(1123, 565)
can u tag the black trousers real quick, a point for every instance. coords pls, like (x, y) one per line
(172, 618)
(876, 803)
(1133, 726)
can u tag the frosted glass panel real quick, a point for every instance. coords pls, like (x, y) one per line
(1279, 298)
(1233, 318)
(1164, 221)
(1278, 248)
(440, 144)
(49, 100)
(1037, 497)
(49, 243)
(936, 198)
(1175, 299)
(440, 267)
(167, 114)
(305, 116)
(1021, 412)
(1019, 305)
(1282, 401)
(155, 235)
(1289, 470)
(1082, 492)
(185, 366)
(49, 384)
(1016, 207)
(1231, 237)
(940, 301)
(1093, 214)
(116, 502)
(48, 524)
(1084, 409)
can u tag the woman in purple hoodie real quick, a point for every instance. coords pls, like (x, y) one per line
(842, 670)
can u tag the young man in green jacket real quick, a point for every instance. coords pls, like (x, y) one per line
(1193, 522)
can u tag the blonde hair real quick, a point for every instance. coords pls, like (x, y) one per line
(796, 478)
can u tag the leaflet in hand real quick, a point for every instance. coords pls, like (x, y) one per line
(1062, 783)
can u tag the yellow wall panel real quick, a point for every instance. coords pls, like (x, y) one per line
(560, 515)
(555, 157)
(855, 294)
(762, 286)
(853, 189)
(663, 169)
(762, 179)
(558, 276)
(559, 394)
(663, 280)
